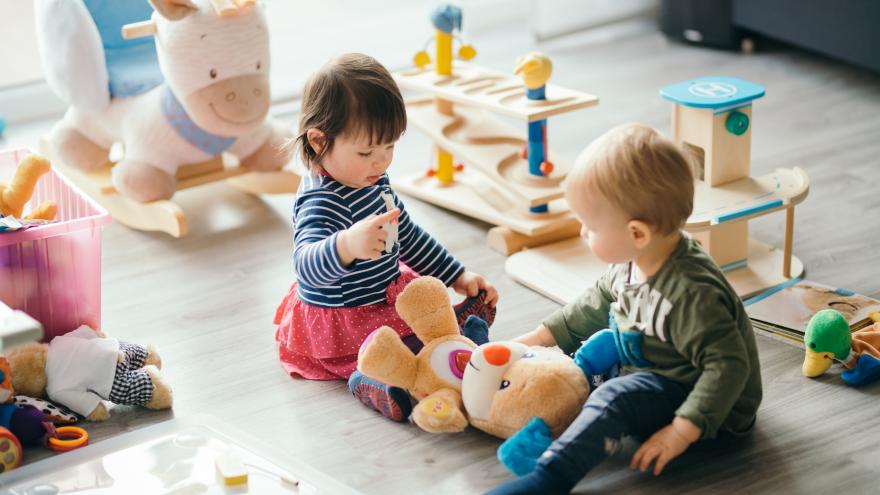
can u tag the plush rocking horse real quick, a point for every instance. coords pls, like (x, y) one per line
(186, 93)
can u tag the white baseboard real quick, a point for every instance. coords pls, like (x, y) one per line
(30, 101)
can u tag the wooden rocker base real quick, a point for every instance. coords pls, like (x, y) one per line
(562, 271)
(475, 196)
(165, 215)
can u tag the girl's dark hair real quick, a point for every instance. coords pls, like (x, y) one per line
(351, 94)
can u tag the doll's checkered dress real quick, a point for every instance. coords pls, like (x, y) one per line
(131, 384)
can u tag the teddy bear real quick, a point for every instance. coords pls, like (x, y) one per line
(83, 368)
(27, 424)
(497, 387)
(15, 195)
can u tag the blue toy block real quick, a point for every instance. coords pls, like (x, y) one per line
(713, 92)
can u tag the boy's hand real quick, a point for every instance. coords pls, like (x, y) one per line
(365, 240)
(666, 444)
(470, 284)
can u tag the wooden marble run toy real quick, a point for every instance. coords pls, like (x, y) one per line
(511, 180)
(711, 117)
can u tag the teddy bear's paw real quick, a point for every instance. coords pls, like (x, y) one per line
(162, 397)
(76, 150)
(153, 357)
(520, 452)
(99, 414)
(437, 415)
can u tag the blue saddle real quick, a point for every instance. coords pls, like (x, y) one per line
(132, 65)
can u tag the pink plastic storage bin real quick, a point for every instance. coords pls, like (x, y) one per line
(53, 272)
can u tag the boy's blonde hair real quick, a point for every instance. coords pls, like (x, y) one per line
(640, 172)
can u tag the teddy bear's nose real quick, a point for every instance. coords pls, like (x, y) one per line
(496, 355)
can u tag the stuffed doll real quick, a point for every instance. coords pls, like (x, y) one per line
(212, 95)
(15, 195)
(83, 368)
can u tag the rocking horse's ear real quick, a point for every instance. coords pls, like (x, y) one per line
(173, 10)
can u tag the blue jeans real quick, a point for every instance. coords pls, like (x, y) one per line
(635, 405)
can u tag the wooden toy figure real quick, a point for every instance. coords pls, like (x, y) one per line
(535, 69)
(446, 19)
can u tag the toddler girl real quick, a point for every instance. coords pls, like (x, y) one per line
(349, 266)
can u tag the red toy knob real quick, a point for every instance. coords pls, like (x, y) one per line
(525, 153)
(459, 167)
(431, 172)
(546, 168)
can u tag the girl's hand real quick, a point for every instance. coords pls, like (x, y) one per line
(365, 240)
(470, 284)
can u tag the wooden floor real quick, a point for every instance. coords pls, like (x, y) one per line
(208, 300)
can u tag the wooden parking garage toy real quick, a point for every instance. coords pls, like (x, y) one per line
(711, 118)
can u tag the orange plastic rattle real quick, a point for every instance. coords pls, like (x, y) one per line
(69, 438)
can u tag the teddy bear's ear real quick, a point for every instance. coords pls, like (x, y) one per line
(424, 305)
(384, 357)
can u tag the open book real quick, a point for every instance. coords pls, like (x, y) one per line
(785, 312)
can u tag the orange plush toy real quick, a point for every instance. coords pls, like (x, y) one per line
(14, 196)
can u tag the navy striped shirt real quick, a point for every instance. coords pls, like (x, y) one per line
(323, 209)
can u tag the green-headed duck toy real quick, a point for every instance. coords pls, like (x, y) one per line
(828, 339)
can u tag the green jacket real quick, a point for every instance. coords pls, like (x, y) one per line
(695, 329)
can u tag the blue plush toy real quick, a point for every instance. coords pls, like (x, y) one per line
(599, 357)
